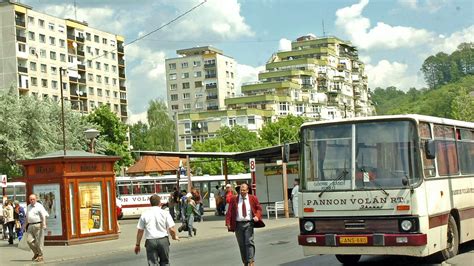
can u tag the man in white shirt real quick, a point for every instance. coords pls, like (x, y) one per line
(156, 224)
(36, 224)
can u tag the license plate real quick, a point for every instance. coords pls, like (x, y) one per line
(353, 240)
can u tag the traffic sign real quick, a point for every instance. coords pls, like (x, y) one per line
(252, 164)
(4, 180)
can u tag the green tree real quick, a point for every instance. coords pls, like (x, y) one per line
(284, 130)
(161, 133)
(227, 139)
(462, 106)
(113, 135)
(31, 128)
(139, 136)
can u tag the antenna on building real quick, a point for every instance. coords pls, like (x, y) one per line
(324, 31)
(75, 11)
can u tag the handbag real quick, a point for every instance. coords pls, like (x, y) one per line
(258, 224)
(17, 224)
(23, 245)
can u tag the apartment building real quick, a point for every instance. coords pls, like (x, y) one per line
(200, 79)
(36, 46)
(320, 78)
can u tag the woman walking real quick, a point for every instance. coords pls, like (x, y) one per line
(19, 216)
(9, 221)
(190, 210)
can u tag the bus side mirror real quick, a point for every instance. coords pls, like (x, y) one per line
(430, 149)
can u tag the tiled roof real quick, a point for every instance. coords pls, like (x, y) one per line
(152, 164)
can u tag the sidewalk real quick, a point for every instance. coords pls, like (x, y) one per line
(211, 227)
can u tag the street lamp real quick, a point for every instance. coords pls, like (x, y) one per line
(91, 134)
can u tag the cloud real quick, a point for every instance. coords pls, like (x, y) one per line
(450, 43)
(284, 45)
(385, 74)
(431, 6)
(382, 36)
(246, 73)
(135, 118)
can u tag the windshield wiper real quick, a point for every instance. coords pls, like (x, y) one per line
(341, 176)
(380, 187)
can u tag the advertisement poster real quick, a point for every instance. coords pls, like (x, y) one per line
(90, 199)
(278, 169)
(49, 196)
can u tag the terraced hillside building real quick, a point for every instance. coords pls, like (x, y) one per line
(320, 78)
(35, 46)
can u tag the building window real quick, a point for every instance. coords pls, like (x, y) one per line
(173, 76)
(106, 80)
(97, 51)
(54, 70)
(90, 77)
(186, 96)
(114, 81)
(104, 40)
(113, 56)
(188, 142)
(31, 20)
(41, 23)
(174, 97)
(31, 36)
(88, 36)
(42, 38)
(32, 66)
(187, 127)
(251, 120)
(51, 26)
(185, 75)
(106, 54)
(89, 50)
(232, 121)
(52, 41)
(91, 89)
(174, 107)
(52, 55)
(186, 85)
(43, 53)
(97, 65)
(98, 79)
(197, 63)
(89, 63)
(43, 68)
(173, 87)
(96, 38)
(54, 84)
(172, 66)
(62, 43)
(184, 65)
(44, 83)
(33, 51)
(34, 81)
(199, 95)
(187, 106)
(114, 69)
(198, 84)
(115, 94)
(107, 93)
(22, 47)
(199, 105)
(99, 92)
(300, 108)
(62, 57)
(197, 74)
(61, 28)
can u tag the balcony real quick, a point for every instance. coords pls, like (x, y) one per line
(20, 22)
(121, 62)
(72, 79)
(209, 65)
(81, 67)
(122, 75)
(120, 49)
(123, 113)
(213, 108)
(80, 53)
(20, 38)
(80, 39)
(211, 97)
(22, 69)
(123, 101)
(211, 86)
(123, 88)
(71, 37)
(82, 80)
(210, 76)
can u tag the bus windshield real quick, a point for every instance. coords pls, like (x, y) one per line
(365, 155)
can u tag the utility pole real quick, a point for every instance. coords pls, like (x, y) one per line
(62, 108)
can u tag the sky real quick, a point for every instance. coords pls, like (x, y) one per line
(393, 37)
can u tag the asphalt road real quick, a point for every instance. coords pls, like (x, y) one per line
(272, 248)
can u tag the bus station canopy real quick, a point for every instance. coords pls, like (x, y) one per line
(265, 155)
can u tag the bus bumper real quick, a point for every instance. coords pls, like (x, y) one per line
(368, 244)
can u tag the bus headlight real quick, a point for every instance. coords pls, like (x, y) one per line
(406, 225)
(308, 226)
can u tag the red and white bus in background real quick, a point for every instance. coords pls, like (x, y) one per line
(134, 191)
(395, 185)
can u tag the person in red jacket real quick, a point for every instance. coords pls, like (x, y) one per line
(244, 210)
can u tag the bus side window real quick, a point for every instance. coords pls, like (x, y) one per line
(429, 168)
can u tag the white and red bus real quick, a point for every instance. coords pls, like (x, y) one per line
(134, 191)
(395, 185)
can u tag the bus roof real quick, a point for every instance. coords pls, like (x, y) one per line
(416, 117)
(184, 178)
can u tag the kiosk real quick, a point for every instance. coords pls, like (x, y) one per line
(78, 192)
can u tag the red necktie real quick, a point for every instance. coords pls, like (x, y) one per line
(244, 208)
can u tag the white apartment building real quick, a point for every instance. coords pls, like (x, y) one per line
(36, 46)
(199, 80)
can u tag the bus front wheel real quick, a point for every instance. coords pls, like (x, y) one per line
(348, 259)
(452, 241)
